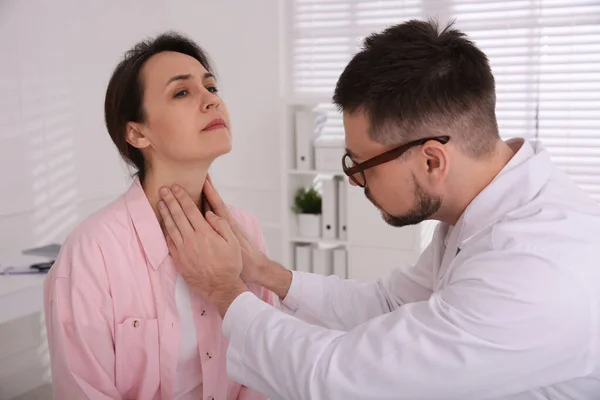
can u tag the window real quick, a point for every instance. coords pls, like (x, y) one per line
(545, 55)
(569, 88)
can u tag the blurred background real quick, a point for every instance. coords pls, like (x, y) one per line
(277, 63)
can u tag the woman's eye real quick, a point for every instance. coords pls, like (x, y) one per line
(181, 93)
(212, 89)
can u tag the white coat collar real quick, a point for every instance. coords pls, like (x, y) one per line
(516, 184)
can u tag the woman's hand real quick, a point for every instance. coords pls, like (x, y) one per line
(206, 252)
(254, 260)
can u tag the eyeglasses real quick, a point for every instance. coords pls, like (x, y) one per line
(355, 171)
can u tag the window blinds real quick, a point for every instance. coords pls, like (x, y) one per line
(545, 55)
(326, 34)
(569, 88)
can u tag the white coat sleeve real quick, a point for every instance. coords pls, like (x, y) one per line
(474, 340)
(343, 304)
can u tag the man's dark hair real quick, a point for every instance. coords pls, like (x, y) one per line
(125, 93)
(413, 81)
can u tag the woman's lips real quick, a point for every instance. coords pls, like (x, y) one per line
(215, 124)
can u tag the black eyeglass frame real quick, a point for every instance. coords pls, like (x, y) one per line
(383, 158)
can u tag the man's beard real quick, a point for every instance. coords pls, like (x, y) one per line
(425, 206)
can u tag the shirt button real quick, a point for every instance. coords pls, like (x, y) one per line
(211, 398)
(208, 355)
(203, 312)
(136, 323)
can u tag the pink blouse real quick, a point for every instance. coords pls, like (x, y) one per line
(112, 321)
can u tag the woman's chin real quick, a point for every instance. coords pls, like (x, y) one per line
(225, 148)
(219, 149)
(202, 152)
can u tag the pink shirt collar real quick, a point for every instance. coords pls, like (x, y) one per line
(146, 224)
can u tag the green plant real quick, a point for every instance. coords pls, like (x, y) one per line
(307, 201)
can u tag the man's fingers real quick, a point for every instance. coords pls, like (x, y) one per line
(222, 227)
(216, 202)
(190, 210)
(172, 247)
(173, 233)
(220, 209)
(179, 217)
(240, 234)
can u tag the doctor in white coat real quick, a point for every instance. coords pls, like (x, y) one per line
(504, 302)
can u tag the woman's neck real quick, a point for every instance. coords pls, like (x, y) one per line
(191, 179)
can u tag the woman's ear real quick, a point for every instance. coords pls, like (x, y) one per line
(135, 137)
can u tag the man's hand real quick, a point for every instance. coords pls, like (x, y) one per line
(206, 252)
(254, 260)
(257, 267)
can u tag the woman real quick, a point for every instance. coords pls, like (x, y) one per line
(121, 321)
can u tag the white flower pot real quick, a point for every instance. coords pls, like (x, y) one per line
(309, 225)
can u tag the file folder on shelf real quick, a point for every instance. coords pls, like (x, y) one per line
(308, 125)
(342, 199)
(329, 209)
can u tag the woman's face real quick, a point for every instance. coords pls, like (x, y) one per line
(186, 121)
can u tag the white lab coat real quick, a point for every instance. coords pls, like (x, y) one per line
(505, 304)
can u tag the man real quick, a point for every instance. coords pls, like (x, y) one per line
(504, 302)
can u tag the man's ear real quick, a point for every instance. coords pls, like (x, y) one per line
(437, 159)
(135, 137)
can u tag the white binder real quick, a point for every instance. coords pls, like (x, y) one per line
(342, 187)
(308, 125)
(303, 258)
(329, 209)
(322, 261)
(304, 131)
(340, 266)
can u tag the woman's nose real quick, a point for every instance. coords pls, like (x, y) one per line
(211, 101)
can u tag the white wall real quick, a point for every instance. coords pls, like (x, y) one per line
(57, 162)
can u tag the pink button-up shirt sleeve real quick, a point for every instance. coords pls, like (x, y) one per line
(79, 322)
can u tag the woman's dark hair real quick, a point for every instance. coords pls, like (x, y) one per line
(125, 93)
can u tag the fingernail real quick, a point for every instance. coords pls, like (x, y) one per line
(176, 188)
(161, 204)
(164, 191)
(210, 214)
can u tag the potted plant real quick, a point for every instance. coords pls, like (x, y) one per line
(307, 206)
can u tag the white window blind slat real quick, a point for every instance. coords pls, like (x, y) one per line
(545, 56)
(326, 35)
(569, 117)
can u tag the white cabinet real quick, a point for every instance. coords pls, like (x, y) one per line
(367, 264)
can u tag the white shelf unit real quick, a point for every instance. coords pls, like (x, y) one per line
(315, 172)
(373, 248)
(328, 242)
